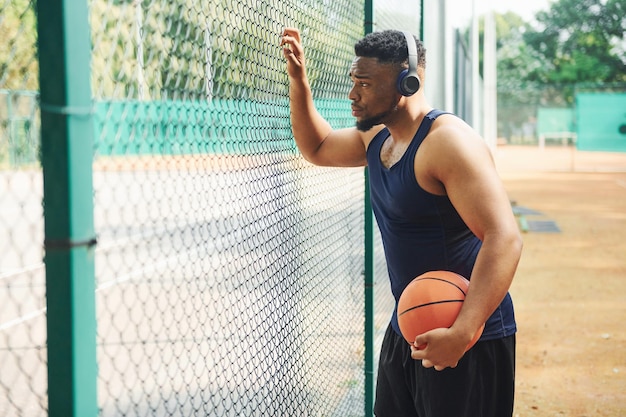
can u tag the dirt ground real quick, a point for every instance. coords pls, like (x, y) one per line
(569, 291)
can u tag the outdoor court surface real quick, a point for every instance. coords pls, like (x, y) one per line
(569, 289)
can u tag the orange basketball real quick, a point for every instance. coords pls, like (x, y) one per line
(431, 301)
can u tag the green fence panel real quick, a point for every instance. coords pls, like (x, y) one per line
(219, 126)
(555, 120)
(601, 121)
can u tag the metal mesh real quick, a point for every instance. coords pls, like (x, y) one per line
(229, 270)
(399, 15)
(23, 381)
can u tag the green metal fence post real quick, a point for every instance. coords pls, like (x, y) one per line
(422, 20)
(66, 156)
(369, 266)
(369, 302)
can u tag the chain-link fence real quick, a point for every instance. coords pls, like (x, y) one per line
(23, 381)
(19, 124)
(229, 272)
(556, 114)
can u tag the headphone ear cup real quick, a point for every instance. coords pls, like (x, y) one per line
(406, 84)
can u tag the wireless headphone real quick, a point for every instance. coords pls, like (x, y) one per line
(408, 82)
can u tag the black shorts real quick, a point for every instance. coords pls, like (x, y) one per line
(482, 384)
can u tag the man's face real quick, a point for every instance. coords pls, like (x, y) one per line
(373, 94)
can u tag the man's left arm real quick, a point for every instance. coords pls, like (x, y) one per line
(462, 163)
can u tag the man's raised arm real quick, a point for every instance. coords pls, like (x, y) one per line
(314, 136)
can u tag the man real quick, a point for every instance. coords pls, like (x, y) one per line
(440, 205)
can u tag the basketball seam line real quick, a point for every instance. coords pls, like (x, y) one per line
(431, 303)
(443, 280)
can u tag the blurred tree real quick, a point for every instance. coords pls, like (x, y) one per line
(574, 43)
(515, 61)
(18, 48)
(579, 41)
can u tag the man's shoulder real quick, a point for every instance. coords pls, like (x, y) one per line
(451, 126)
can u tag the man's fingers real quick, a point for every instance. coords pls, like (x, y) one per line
(290, 36)
(290, 43)
(428, 364)
(293, 32)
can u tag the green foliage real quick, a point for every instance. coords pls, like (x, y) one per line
(574, 43)
(180, 49)
(515, 59)
(579, 41)
(18, 47)
(175, 49)
(545, 62)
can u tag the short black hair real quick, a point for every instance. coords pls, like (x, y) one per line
(389, 47)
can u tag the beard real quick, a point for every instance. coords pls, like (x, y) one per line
(366, 124)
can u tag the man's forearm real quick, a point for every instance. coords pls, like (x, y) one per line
(308, 126)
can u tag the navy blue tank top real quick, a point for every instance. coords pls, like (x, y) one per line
(421, 231)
